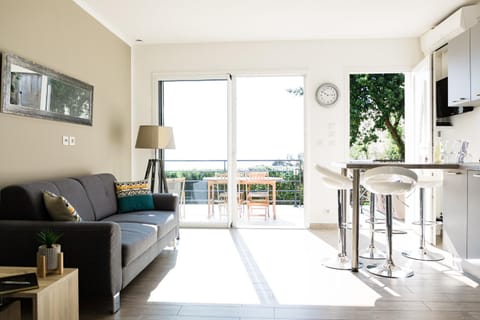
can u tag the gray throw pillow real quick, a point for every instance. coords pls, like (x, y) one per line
(59, 208)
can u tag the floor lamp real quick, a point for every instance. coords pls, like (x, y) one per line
(157, 138)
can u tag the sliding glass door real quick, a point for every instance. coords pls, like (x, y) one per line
(216, 118)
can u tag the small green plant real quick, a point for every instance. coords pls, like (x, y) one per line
(48, 238)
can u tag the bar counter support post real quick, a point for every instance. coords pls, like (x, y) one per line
(355, 218)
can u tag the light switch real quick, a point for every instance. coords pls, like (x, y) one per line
(65, 140)
(73, 141)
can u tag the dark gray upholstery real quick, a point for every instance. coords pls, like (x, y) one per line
(136, 238)
(164, 221)
(108, 248)
(101, 192)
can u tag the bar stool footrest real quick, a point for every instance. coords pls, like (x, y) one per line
(425, 223)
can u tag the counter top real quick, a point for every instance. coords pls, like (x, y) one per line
(368, 164)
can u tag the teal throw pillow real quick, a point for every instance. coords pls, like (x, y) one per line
(134, 196)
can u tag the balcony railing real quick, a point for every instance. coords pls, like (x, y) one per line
(289, 190)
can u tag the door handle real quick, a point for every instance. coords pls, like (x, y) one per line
(454, 173)
(476, 175)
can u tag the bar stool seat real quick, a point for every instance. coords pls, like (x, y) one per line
(389, 180)
(421, 253)
(340, 183)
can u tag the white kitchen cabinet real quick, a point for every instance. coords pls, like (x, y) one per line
(455, 212)
(475, 62)
(459, 69)
(473, 216)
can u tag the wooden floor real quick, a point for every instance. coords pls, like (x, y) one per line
(278, 274)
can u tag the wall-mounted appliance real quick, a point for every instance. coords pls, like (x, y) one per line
(458, 22)
(444, 111)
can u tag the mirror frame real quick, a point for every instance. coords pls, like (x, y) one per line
(7, 107)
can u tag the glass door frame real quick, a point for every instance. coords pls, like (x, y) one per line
(157, 117)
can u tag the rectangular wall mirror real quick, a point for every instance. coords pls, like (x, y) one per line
(29, 89)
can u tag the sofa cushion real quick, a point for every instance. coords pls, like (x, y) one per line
(164, 221)
(25, 201)
(76, 194)
(136, 239)
(134, 196)
(59, 208)
(100, 190)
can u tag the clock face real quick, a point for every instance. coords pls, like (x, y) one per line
(327, 94)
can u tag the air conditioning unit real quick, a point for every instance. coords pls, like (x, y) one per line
(460, 21)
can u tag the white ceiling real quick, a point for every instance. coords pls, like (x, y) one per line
(196, 21)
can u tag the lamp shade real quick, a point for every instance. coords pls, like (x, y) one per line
(155, 137)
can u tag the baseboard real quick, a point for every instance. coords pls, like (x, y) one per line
(323, 226)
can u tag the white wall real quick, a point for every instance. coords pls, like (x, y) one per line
(326, 129)
(464, 127)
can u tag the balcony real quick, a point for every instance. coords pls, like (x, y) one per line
(195, 210)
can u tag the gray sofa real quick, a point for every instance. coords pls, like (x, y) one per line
(109, 248)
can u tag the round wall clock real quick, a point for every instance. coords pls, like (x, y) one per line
(327, 94)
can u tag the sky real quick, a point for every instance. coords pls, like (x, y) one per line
(269, 119)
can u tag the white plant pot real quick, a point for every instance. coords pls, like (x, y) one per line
(51, 255)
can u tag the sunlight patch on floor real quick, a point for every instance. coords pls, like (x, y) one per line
(291, 263)
(211, 272)
(259, 266)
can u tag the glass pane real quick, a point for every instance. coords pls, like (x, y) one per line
(270, 139)
(197, 111)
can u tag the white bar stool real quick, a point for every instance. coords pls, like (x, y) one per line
(421, 253)
(388, 180)
(341, 184)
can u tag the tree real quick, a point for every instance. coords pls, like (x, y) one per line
(377, 103)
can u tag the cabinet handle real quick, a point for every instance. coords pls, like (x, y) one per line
(478, 94)
(476, 175)
(454, 173)
(463, 98)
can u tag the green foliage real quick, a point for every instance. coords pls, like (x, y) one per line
(377, 103)
(296, 91)
(48, 238)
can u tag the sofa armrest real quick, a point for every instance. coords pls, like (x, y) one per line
(92, 247)
(165, 201)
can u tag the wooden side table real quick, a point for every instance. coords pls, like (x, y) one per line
(56, 297)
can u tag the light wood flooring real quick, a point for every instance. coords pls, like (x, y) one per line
(222, 274)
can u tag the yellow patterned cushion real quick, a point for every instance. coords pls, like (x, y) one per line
(59, 208)
(134, 196)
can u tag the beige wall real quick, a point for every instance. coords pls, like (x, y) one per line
(60, 35)
(326, 129)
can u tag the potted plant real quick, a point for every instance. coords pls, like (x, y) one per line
(49, 248)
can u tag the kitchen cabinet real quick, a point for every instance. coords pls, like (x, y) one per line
(475, 62)
(461, 212)
(455, 211)
(459, 69)
(473, 215)
(464, 68)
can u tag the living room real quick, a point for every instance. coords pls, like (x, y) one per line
(63, 36)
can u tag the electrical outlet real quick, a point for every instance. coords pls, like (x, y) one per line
(72, 140)
(65, 140)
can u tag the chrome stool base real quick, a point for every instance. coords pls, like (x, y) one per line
(423, 255)
(340, 263)
(373, 254)
(389, 270)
